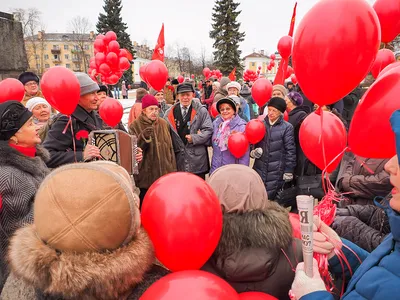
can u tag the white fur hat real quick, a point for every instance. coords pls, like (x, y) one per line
(234, 84)
(30, 105)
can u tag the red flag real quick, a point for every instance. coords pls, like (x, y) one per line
(293, 21)
(232, 76)
(159, 49)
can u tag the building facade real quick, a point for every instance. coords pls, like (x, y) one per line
(70, 50)
(258, 59)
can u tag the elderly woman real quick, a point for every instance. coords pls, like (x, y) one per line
(162, 104)
(22, 169)
(40, 109)
(225, 124)
(256, 251)
(234, 90)
(31, 85)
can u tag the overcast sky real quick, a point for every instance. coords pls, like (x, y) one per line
(187, 22)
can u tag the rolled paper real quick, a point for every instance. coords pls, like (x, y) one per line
(305, 206)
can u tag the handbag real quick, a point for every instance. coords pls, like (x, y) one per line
(286, 196)
(310, 185)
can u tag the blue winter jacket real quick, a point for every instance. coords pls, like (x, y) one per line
(222, 158)
(279, 155)
(378, 277)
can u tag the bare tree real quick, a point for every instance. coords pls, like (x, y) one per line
(203, 56)
(81, 36)
(179, 58)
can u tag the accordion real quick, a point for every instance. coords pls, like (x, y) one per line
(117, 146)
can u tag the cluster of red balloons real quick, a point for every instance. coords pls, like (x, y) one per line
(271, 64)
(110, 61)
(250, 75)
(11, 89)
(212, 73)
(155, 74)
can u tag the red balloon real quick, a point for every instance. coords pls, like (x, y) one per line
(206, 72)
(105, 69)
(384, 58)
(93, 65)
(255, 131)
(238, 144)
(269, 67)
(259, 67)
(61, 89)
(156, 74)
(111, 36)
(370, 136)
(100, 37)
(113, 79)
(273, 56)
(99, 45)
(388, 68)
(289, 71)
(142, 72)
(11, 89)
(332, 137)
(123, 53)
(111, 111)
(295, 221)
(180, 79)
(354, 39)
(261, 91)
(256, 296)
(192, 76)
(112, 59)
(272, 63)
(214, 111)
(100, 58)
(183, 217)
(200, 284)
(293, 78)
(124, 63)
(388, 12)
(286, 116)
(113, 46)
(285, 46)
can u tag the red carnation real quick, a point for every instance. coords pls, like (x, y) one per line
(82, 134)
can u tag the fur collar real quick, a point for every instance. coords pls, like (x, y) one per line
(92, 275)
(269, 229)
(34, 166)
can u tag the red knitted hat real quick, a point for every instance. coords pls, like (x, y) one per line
(149, 100)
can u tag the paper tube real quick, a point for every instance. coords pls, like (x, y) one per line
(305, 205)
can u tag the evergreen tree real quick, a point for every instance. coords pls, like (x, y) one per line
(227, 36)
(112, 21)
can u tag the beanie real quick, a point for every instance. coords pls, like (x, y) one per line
(149, 100)
(280, 88)
(295, 98)
(278, 103)
(13, 115)
(224, 81)
(86, 83)
(28, 76)
(30, 105)
(234, 84)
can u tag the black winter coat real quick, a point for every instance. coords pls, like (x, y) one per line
(279, 155)
(246, 94)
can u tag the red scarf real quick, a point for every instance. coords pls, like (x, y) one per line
(28, 151)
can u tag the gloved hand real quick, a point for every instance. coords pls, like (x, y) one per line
(148, 132)
(304, 285)
(288, 177)
(256, 153)
(325, 238)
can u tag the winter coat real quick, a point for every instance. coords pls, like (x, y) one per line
(192, 157)
(350, 103)
(219, 94)
(245, 109)
(158, 153)
(135, 112)
(222, 158)
(28, 97)
(163, 108)
(361, 185)
(61, 146)
(246, 94)
(279, 155)
(250, 254)
(364, 225)
(124, 90)
(41, 273)
(20, 177)
(378, 276)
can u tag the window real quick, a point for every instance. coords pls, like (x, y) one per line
(76, 47)
(77, 66)
(36, 56)
(66, 56)
(56, 57)
(68, 66)
(86, 47)
(46, 56)
(66, 47)
(47, 66)
(55, 46)
(253, 64)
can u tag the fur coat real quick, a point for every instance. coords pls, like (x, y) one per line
(250, 255)
(20, 177)
(158, 153)
(42, 273)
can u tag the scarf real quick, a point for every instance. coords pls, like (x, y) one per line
(27, 151)
(223, 135)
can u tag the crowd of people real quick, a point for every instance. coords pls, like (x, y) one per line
(60, 240)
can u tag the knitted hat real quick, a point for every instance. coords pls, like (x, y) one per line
(278, 103)
(154, 92)
(235, 99)
(234, 84)
(30, 105)
(226, 100)
(86, 207)
(103, 88)
(280, 88)
(28, 76)
(149, 100)
(184, 88)
(224, 81)
(295, 98)
(86, 83)
(13, 115)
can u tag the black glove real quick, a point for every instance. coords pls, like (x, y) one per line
(148, 132)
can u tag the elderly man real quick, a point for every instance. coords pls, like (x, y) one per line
(31, 85)
(191, 131)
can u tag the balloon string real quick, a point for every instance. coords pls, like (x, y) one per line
(364, 165)
(66, 126)
(73, 139)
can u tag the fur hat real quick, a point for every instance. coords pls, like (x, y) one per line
(30, 105)
(184, 88)
(86, 83)
(13, 115)
(295, 98)
(149, 100)
(87, 207)
(28, 76)
(278, 103)
(103, 88)
(226, 100)
(234, 84)
(224, 81)
(280, 88)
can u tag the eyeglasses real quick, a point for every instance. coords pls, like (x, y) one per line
(31, 84)
(225, 109)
